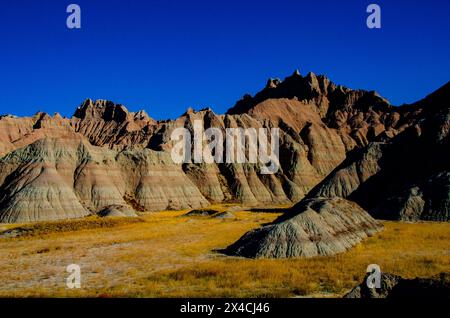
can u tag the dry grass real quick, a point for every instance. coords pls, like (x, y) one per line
(173, 256)
(45, 228)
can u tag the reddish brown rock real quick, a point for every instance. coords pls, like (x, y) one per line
(106, 155)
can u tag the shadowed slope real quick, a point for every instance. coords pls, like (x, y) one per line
(313, 227)
(405, 178)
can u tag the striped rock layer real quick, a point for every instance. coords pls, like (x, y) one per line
(106, 156)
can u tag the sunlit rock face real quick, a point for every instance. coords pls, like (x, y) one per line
(401, 176)
(332, 138)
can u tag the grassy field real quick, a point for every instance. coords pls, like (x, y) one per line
(167, 255)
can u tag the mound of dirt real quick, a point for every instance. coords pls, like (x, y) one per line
(224, 215)
(313, 227)
(202, 213)
(117, 210)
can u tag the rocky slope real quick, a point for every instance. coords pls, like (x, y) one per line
(67, 177)
(406, 177)
(106, 156)
(314, 227)
(403, 175)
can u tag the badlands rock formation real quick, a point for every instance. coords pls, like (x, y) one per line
(67, 177)
(399, 171)
(313, 227)
(104, 156)
(406, 177)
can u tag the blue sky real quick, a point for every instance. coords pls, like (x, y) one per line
(164, 56)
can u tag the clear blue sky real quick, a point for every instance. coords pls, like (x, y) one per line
(164, 56)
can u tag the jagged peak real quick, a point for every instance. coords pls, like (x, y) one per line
(273, 82)
(8, 116)
(141, 115)
(87, 102)
(189, 111)
(106, 110)
(207, 110)
(296, 75)
(40, 115)
(203, 111)
(103, 109)
(309, 88)
(294, 86)
(311, 75)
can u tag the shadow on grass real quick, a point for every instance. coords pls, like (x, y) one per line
(269, 210)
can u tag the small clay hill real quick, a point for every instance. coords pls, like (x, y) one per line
(314, 227)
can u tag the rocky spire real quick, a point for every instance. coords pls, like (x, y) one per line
(273, 82)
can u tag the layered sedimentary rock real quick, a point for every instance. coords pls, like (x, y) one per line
(313, 227)
(406, 177)
(66, 177)
(38, 182)
(106, 155)
(401, 174)
(358, 116)
(16, 132)
(107, 124)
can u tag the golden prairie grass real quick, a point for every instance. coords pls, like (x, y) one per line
(170, 255)
(92, 222)
(409, 250)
